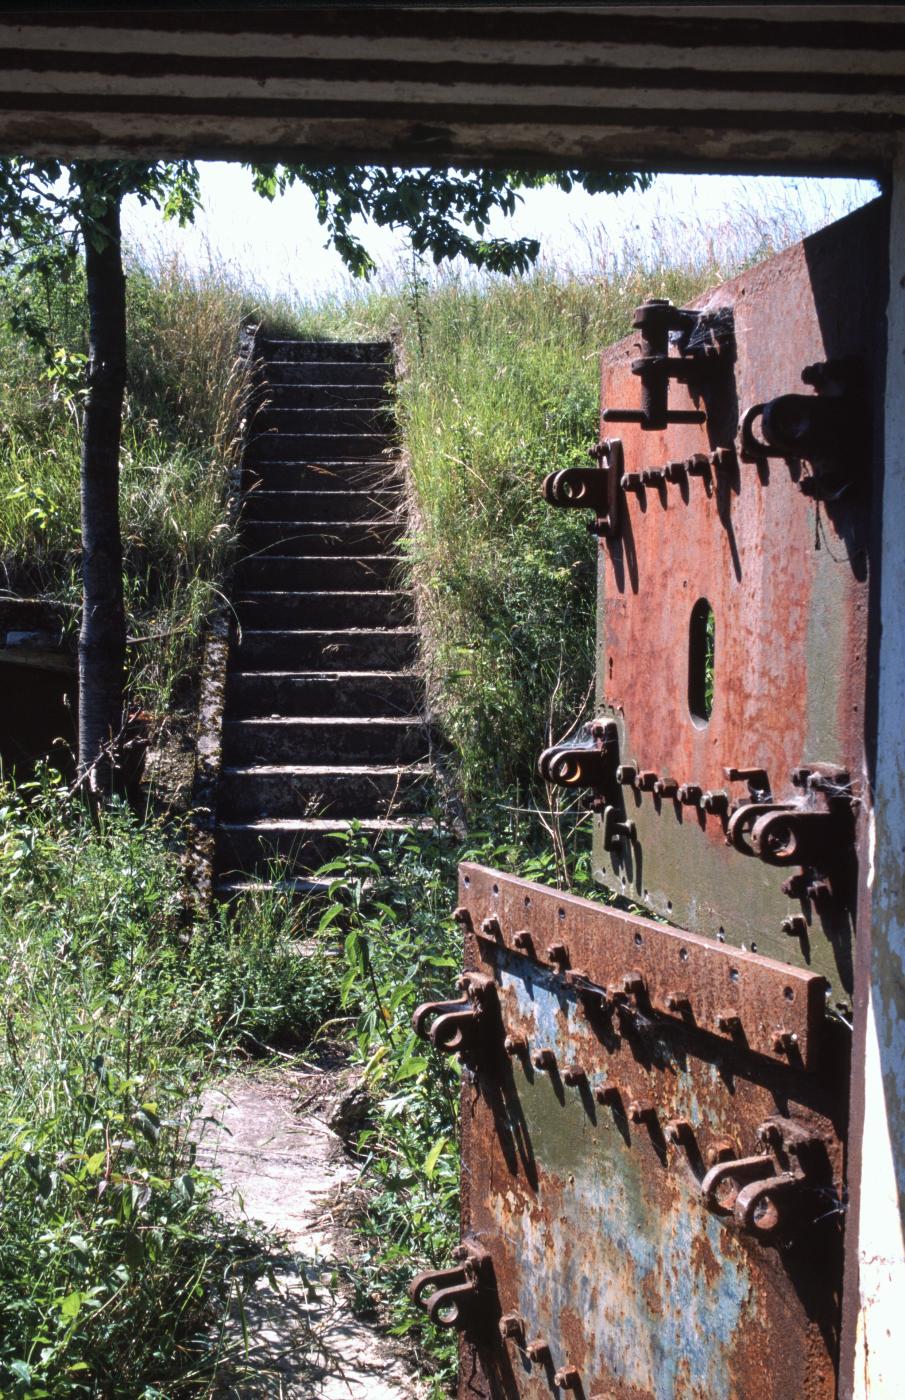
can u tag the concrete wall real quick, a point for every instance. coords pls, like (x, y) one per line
(875, 1231)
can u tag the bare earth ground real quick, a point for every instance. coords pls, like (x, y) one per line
(282, 1166)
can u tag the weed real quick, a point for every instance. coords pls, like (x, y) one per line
(114, 1261)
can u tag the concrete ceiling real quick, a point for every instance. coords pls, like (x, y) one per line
(691, 87)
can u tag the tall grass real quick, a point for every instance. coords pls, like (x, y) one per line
(503, 388)
(181, 426)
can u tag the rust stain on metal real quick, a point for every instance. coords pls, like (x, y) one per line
(785, 577)
(608, 957)
(586, 1190)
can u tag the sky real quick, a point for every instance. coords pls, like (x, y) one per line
(279, 246)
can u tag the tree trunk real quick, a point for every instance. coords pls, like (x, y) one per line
(102, 640)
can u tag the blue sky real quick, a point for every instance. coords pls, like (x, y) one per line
(280, 246)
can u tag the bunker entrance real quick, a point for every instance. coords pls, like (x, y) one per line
(655, 1113)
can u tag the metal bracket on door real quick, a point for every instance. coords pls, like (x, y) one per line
(591, 488)
(700, 340)
(828, 428)
(451, 1297)
(769, 1190)
(591, 763)
(468, 1027)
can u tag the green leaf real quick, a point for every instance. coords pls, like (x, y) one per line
(71, 1305)
(433, 1157)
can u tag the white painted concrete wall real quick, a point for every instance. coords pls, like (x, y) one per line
(879, 1363)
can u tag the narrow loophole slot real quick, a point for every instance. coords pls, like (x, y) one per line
(701, 656)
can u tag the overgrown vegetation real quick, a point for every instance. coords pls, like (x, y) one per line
(180, 437)
(114, 1262)
(115, 1265)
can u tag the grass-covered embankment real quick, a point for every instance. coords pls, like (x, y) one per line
(180, 437)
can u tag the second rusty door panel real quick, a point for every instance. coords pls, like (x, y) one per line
(654, 1110)
(653, 1157)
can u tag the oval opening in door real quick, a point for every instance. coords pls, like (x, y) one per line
(701, 653)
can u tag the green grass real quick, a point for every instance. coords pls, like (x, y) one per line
(180, 440)
(505, 390)
(114, 1263)
(116, 1266)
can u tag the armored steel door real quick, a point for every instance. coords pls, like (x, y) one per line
(654, 1108)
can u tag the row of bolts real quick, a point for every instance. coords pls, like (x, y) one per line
(722, 459)
(631, 986)
(512, 1327)
(718, 803)
(677, 1130)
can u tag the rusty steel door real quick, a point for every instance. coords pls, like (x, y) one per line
(654, 1105)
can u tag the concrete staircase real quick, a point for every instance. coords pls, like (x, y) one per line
(323, 718)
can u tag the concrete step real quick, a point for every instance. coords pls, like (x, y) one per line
(355, 474)
(362, 693)
(293, 790)
(319, 739)
(326, 395)
(370, 351)
(340, 571)
(321, 536)
(327, 419)
(377, 372)
(283, 848)
(307, 447)
(369, 608)
(342, 649)
(322, 505)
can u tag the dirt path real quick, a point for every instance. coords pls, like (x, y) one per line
(282, 1166)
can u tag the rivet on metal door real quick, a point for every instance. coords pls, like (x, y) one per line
(654, 1113)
